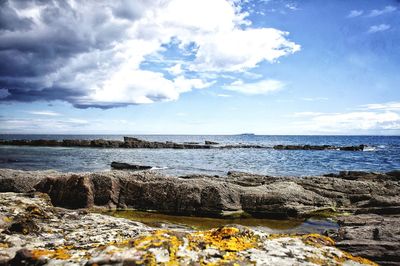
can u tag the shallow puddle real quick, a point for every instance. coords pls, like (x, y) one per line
(202, 223)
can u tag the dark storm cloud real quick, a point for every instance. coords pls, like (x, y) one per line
(49, 94)
(34, 49)
(9, 19)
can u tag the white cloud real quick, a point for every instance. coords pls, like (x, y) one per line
(176, 69)
(45, 113)
(371, 118)
(239, 50)
(314, 99)
(292, 6)
(356, 120)
(224, 95)
(355, 13)
(106, 48)
(306, 114)
(385, 10)
(378, 28)
(259, 87)
(50, 125)
(390, 106)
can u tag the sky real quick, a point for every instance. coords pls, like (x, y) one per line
(308, 67)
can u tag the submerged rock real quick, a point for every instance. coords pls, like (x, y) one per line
(127, 166)
(66, 237)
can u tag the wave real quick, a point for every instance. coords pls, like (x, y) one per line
(158, 168)
(369, 148)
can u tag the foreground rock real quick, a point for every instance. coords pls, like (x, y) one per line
(32, 232)
(346, 193)
(374, 236)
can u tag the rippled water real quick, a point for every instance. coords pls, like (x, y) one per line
(383, 155)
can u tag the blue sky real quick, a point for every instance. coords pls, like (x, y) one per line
(200, 67)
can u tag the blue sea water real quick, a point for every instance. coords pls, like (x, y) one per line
(383, 155)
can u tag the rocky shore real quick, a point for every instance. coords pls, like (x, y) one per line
(135, 143)
(366, 205)
(33, 232)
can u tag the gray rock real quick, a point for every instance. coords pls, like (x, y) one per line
(372, 236)
(127, 166)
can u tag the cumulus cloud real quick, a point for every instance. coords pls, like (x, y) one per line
(385, 10)
(378, 28)
(355, 13)
(91, 54)
(259, 87)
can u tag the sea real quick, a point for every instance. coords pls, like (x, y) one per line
(381, 155)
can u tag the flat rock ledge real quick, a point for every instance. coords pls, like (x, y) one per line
(128, 142)
(135, 143)
(371, 200)
(33, 232)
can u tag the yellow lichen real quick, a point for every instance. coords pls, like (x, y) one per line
(347, 256)
(159, 238)
(316, 260)
(317, 240)
(224, 239)
(7, 219)
(60, 254)
(4, 245)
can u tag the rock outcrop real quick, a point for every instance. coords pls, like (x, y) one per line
(264, 196)
(58, 236)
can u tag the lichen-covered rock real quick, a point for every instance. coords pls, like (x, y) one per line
(66, 237)
(30, 221)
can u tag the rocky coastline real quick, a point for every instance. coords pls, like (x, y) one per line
(366, 207)
(135, 143)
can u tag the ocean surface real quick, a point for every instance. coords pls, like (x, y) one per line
(383, 154)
